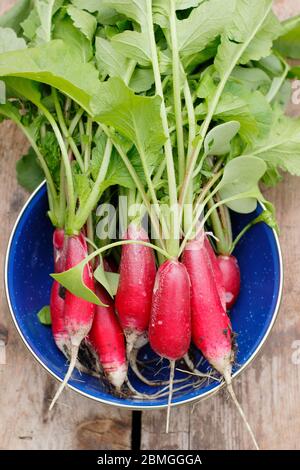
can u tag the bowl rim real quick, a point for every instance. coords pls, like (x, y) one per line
(143, 406)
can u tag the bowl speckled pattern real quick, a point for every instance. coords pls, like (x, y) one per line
(30, 260)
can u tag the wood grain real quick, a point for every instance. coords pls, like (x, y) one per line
(269, 390)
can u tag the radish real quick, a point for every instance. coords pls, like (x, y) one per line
(57, 305)
(216, 270)
(137, 277)
(231, 276)
(107, 339)
(211, 327)
(78, 313)
(59, 250)
(57, 298)
(170, 323)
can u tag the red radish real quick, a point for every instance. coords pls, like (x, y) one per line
(109, 265)
(137, 277)
(231, 276)
(211, 327)
(78, 313)
(216, 270)
(57, 305)
(57, 298)
(107, 339)
(59, 250)
(170, 323)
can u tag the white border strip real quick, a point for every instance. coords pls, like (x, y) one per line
(142, 407)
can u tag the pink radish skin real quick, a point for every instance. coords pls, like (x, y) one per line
(57, 306)
(211, 327)
(107, 339)
(137, 277)
(170, 324)
(57, 301)
(109, 265)
(231, 276)
(216, 270)
(78, 313)
(59, 247)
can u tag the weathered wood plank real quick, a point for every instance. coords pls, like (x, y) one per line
(269, 389)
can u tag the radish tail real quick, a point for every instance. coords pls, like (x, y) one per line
(172, 373)
(194, 370)
(154, 383)
(239, 408)
(74, 353)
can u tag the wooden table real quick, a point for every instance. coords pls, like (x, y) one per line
(269, 390)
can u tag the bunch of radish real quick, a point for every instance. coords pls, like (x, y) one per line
(142, 105)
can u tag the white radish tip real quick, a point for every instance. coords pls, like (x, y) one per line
(118, 376)
(131, 336)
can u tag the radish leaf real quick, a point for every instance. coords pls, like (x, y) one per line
(281, 148)
(218, 140)
(108, 280)
(240, 182)
(29, 172)
(9, 41)
(136, 117)
(72, 281)
(84, 21)
(44, 316)
(69, 75)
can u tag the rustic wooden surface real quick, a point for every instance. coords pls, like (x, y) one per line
(269, 390)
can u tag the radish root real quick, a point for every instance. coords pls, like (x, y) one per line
(72, 365)
(154, 383)
(227, 377)
(172, 373)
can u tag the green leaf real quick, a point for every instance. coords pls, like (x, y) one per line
(288, 44)
(15, 15)
(44, 316)
(249, 36)
(9, 41)
(252, 78)
(84, 21)
(133, 45)
(137, 118)
(109, 60)
(90, 5)
(65, 30)
(203, 25)
(29, 172)
(240, 182)
(218, 140)
(83, 188)
(45, 10)
(281, 149)
(141, 80)
(108, 280)
(161, 9)
(38, 25)
(30, 25)
(72, 280)
(55, 64)
(134, 9)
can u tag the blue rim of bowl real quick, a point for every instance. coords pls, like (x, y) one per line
(141, 407)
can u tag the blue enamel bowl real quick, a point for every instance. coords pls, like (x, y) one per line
(30, 261)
